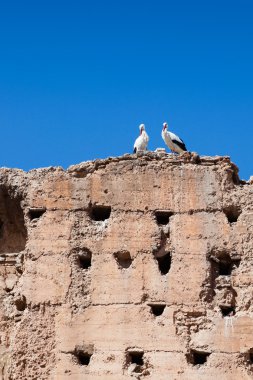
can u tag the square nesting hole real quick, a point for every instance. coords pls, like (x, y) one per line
(100, 213)
(84, 258)
(164, 263)
(232, 213)
(196, 357)
(157, 309)
(123, 259)
(224, 265)
(36, 212)
(134, 357)
(163, 217)
(83, 355)
(227, 311)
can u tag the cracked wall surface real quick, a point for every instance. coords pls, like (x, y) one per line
(129, 267)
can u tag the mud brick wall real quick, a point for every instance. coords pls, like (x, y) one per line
(127, 268)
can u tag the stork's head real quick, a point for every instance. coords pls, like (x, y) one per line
(142, 128)
(165, 126)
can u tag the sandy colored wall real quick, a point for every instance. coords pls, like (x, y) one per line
(129, 267)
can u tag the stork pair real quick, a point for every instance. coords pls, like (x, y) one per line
(174, 142)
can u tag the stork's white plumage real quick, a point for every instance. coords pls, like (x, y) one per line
(142, 141)
(173, 141)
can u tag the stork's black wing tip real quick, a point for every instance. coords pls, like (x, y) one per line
(135, 150)
(181, 144)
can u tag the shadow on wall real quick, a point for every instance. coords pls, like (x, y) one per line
(13, 232)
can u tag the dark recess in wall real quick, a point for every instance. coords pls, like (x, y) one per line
(13, 233)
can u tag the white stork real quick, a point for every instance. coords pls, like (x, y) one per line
(173, 141)
(142, 141)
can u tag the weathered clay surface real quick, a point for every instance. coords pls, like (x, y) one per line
(129, 267)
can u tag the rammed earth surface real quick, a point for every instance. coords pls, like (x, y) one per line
(128, 267)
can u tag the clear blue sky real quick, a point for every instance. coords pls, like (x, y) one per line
(78, 77)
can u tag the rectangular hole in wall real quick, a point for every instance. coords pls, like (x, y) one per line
(135, 357)
(100, 213)
(223, 265)
(163, 217)
(232, 213)
(164, 263)
(123, 259)
(157, 309)
(36, 213)
(83, 354)
(227, 311)
(84, 257)
(225, 268)
(196, 357)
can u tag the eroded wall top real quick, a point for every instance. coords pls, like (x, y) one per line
(134, 266)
